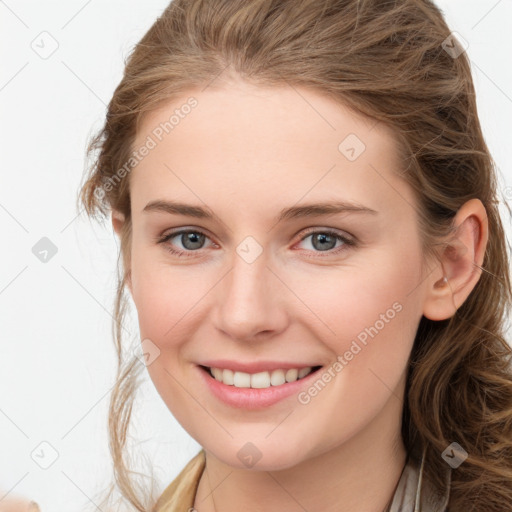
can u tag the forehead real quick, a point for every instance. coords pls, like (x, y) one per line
(279, 144)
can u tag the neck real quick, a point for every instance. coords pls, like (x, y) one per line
(360, 474)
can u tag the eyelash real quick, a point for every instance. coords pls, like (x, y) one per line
(348, 242)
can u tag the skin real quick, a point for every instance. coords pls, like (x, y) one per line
(246, 152)
(17, 504)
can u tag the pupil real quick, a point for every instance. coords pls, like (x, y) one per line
(323, 237)
(192, 238)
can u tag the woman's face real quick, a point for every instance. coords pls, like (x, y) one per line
(341, 289)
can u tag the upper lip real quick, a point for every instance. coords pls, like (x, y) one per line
(254, 367)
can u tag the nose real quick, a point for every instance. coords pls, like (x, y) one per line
(251, 301)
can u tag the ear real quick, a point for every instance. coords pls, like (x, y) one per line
(460, 262)
(118, 220)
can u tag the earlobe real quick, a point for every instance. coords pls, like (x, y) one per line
(461, 262)
(117, 221)
(440, 303)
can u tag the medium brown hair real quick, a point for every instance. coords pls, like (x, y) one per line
(386, 59)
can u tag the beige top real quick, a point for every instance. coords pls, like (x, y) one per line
(412, 494)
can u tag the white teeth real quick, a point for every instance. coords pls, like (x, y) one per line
(291, 375)
(228, 377)
(303, 372)
(259, 380)
(242, 380)
(277, 378)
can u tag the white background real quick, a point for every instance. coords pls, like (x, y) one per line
(56, 353)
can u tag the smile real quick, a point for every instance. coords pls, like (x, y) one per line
(256, 391)
(260, 380)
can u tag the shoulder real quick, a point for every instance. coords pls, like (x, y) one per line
(180, 493)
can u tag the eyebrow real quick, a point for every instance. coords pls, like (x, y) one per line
(293, 212)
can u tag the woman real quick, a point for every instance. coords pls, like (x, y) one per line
(371, 374)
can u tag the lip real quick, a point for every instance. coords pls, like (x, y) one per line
(254, 398)
(254, 367)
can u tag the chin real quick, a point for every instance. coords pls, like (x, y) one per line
(259, 456)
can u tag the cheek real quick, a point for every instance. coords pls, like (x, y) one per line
(374, 315)
(168, 299)
(162, 300)
(153, 296)
(368, 312)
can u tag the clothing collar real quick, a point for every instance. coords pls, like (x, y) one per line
(414, 492)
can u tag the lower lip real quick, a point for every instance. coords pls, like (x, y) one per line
(253, 398)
